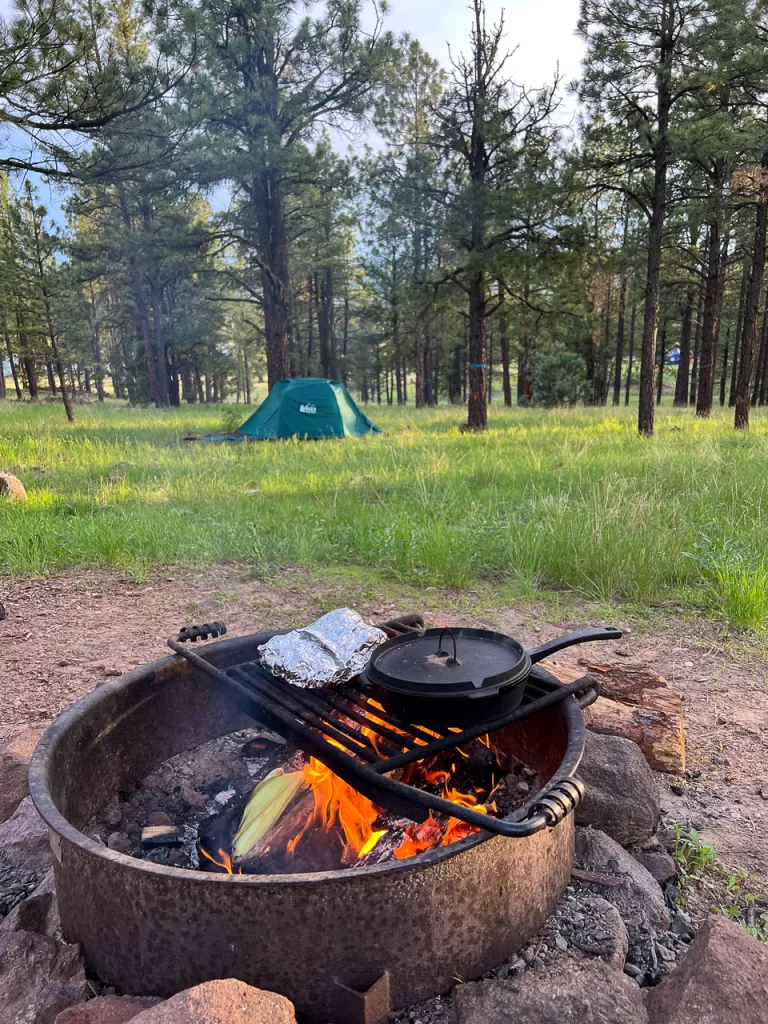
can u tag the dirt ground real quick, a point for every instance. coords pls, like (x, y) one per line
(64, 636)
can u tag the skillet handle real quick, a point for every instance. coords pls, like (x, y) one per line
(583, 636)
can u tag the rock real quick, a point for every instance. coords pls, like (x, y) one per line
(659, 864)
(724, 977)
(635, 894)
(14, 766)
(598, 853)
(192, 798)
(159, 818)
(682, 925)
(38, 912)
(24, 839)
(586, 991)
(112, 814)
(119, 842)
(106, 1010)
(12, 488)
(39, 977)
(622, 798)
(221, 1002)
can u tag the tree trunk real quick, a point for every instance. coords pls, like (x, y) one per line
(490, 364)
(697, 341)
(662, 357)
(631, 354)
(270, 216)
(739, 330)
(51, 378)
(312, 305)
(478, 398)
(98, 367)
(724, 372)
(620, 341)
(345, 336)
(656, 226)
(50, 325)
(744, 387)
(140, 300)
(504, 344)
(246, 375)
(324, 287)
(710, 332)
(684, 367)
(419, 326)
(16, 384)
(762, 365)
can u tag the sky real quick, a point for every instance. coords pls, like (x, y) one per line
(542, 30)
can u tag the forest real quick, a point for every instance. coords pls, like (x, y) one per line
(256, 190)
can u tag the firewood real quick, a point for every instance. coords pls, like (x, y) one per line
(161, 835)
(638, 705)
(657, 728)
(317, 850)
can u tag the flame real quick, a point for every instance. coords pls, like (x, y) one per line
(224, 861)
(335, 800)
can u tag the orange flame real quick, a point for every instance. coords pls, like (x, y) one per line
(335, 800)
(223, 862)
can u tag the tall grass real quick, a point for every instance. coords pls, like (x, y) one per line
(564, 499)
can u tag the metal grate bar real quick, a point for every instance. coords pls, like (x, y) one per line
(363, 713)
(287, 701)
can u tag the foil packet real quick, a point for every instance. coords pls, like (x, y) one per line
(330, 651)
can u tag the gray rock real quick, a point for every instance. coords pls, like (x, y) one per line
(622, 797)
(119, 842)
(639, 891)
(659, 864)
(24, 839)
(634, 893)
(682, 925)
(39, 977)
(724, 977)
(586, 991)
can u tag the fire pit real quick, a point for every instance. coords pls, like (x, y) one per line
(343, 945)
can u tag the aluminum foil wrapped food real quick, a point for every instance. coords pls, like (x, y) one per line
(332, 650)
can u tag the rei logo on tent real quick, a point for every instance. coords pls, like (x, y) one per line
(310, 410)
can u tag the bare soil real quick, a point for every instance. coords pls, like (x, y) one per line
(64, 636)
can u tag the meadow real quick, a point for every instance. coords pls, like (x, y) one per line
(556, 500)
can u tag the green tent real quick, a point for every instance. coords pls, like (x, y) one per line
(310, 408)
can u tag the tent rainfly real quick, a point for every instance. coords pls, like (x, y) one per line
(308, 408)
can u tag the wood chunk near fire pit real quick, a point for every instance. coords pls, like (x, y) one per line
(638, 705)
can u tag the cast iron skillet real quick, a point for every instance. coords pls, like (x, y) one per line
(460, 677)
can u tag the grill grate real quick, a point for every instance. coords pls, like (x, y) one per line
(352, 734)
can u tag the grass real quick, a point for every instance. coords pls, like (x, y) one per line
(707, 884)
(545, 501)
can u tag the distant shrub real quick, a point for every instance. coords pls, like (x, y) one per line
(558, 378)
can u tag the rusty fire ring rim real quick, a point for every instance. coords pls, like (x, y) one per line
(39, 791)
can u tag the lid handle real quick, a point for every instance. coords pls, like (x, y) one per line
(444, 654)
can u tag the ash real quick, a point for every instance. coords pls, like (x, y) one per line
(16, 883)
(185, 791)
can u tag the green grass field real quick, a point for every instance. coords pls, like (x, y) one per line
(545, 501)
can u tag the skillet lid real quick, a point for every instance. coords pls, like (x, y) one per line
(449, 663)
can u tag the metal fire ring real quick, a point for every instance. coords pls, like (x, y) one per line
(150, 929)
